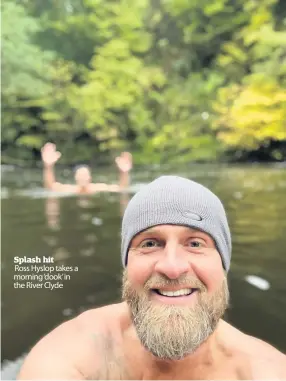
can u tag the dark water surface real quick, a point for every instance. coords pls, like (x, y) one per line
(85, 232)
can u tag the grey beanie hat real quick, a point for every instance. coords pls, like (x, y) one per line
(177, 201)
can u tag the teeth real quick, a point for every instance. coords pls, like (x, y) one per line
(184, 291)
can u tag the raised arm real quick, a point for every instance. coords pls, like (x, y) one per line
(124, 164)
(49, 157)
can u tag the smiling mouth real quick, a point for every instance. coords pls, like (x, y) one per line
(175, 294)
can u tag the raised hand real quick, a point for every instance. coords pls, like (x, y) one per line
(124, 162)
(49, 154)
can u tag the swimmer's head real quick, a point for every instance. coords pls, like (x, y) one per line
(82, 176)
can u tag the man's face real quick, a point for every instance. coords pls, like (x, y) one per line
(82, 177)
(176, 289)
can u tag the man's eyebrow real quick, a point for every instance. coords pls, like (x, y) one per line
(150, 230)
(158, 230)
(144, 234)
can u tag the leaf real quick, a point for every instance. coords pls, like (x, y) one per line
(30, 141)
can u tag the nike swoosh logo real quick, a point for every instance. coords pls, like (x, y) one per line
(192, 216)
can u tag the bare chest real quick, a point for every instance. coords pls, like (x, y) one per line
(116, 366)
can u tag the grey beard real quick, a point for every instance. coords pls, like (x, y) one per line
(173, 332)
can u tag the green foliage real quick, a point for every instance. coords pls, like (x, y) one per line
(115, 88)
(252, 108)
(253, 114)
(25, 76)
(171, 80)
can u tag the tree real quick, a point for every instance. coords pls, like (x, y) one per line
(25, 77)
(173, 80)
(252, 107)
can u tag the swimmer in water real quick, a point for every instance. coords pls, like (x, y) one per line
(82, 176)
(176, 253)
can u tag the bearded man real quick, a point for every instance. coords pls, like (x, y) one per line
(176, 250)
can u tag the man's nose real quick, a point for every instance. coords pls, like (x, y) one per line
(173, 262)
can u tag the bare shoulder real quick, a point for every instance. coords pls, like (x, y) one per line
(73, 350)
(266, 361)
(115, 318)
(112, 315)
(53, 356)
(262, 359)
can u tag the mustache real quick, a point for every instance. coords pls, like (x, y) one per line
(185, 280)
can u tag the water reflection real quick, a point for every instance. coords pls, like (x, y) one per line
(87, 252)
(53, 213)
(60, 255)
(258, 282)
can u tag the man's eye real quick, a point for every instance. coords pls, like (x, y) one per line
(195, 243)
(149, 243)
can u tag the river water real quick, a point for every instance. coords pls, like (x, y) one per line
(85, 232)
